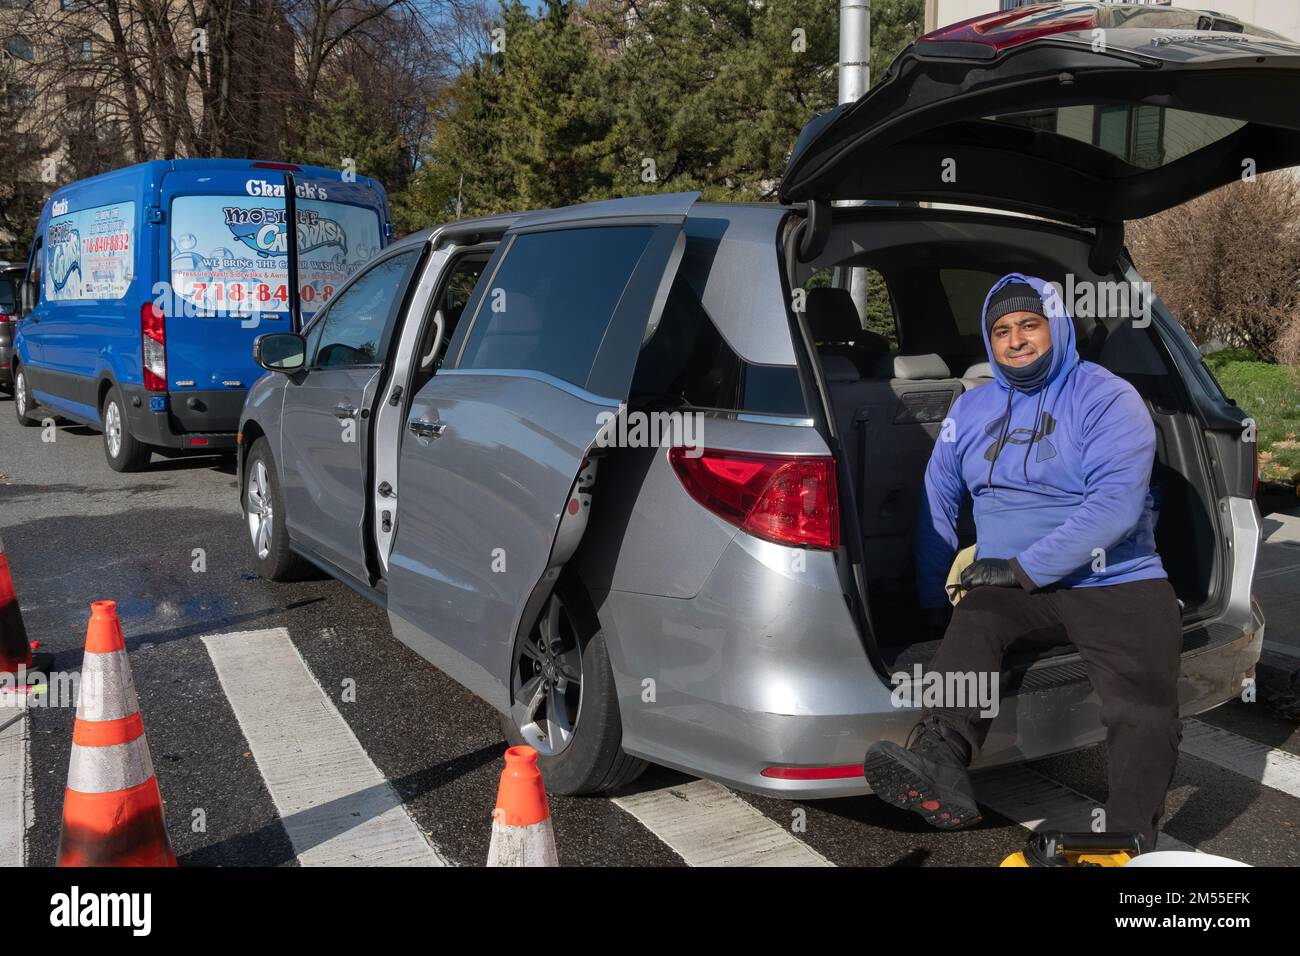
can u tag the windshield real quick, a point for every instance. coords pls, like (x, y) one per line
(229, 254)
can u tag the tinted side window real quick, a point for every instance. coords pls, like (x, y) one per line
(966, 290)
(354, 326)
(552, 298)
(687, 362)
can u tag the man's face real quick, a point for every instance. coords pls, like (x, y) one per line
(1018, 338)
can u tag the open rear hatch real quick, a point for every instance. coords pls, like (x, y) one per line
(1084, 112)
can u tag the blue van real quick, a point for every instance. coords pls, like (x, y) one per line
(147, 285)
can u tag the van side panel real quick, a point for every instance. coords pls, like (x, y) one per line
(96, 255)
(108, 252)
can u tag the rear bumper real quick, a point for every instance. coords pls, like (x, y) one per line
(6, 364)
(764, 668)
(198, 420)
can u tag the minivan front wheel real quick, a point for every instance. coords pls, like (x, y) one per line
(23, 399)
(123, 451)
(563, 700)
(264, 514)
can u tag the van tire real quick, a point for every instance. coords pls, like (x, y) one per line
(132, 455)
(23, 398)
(594, 760)
(280, 562)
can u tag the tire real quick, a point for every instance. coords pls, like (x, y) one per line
(23, 399)
(592, 760)
(272, 556)
(121, 449)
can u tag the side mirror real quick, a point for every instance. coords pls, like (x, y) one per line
(280, 351)
(26, 297)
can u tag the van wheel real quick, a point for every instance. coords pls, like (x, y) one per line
(123, 451)
(23, 399)
(563, 700)
(264, 513)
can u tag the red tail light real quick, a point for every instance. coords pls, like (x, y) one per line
(999, 31)
(288, 167)
(789, 499)
(153, 347)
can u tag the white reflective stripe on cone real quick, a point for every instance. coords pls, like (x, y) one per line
(533, 845)
(106, 769)
(107, 691)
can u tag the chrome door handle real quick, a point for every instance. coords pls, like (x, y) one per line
(344, 410)
(426, 429)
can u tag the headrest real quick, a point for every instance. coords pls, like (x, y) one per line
(979, 370)
(839, 368)
(920, 367)
(832, 316)
(873, 342)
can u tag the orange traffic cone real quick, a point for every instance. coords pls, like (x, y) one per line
(521, 822)
(112, 809)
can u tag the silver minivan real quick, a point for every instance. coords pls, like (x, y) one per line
(454, 436)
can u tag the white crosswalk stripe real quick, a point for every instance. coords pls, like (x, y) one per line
(1273, 768)
(707, 825)
(335, 804)
(1037, 802)
(15, 787)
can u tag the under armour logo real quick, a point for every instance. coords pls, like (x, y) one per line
(1019, 436)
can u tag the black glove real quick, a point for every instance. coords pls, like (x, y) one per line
(990, 572)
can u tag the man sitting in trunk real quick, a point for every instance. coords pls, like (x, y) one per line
(1057, 457)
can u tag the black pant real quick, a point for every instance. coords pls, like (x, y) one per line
(1130, 638)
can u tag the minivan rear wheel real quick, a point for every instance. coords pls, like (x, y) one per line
(563, 700)
(123, 451)
(23, 399)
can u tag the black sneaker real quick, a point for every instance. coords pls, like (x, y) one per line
(929, 776)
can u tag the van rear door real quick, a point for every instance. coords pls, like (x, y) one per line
(225, 259)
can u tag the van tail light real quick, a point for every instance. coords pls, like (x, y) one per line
(789, 499)
(153, 346)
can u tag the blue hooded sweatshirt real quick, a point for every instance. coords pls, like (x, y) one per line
(1059, 475)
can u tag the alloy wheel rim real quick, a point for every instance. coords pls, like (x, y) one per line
(547, 681)
(261, 516)
(20, 394)
(113, 429)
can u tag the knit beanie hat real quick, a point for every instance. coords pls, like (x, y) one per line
(1012, 297)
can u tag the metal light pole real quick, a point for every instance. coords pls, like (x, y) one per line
(855, 79)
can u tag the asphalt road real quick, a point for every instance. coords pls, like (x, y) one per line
(75, 532)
